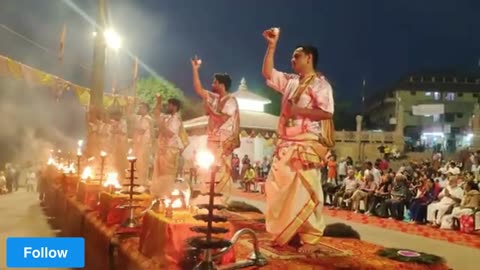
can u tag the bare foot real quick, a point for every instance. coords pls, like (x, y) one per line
(308, 249)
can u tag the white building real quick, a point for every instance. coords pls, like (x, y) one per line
(257, 127)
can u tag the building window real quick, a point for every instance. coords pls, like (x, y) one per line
(449, 117)
(390, 94)
(413, 93)
(428, 94)
(450, 96)
(437, 95)
(459, 115)
(460, 94)
(475, 95)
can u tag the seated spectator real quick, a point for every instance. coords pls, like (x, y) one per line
(425, 195)
(398, 197)
(470, 201)
(450, 195)
(249, 176)
(366, 189)
(377, 203)
(350, 184)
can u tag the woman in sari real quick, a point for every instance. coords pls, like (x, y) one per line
(425, 195)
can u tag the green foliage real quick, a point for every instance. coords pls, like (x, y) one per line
(148, 88)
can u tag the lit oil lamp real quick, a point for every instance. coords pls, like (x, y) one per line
(87, 174)
(111, 183)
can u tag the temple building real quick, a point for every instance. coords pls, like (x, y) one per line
(257, 127)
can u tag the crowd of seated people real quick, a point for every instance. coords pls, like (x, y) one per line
(416, 192)
(249, 174)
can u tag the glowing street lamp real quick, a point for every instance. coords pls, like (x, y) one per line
(112, 39)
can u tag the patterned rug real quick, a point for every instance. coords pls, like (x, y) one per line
(334, 253)
(471, 240)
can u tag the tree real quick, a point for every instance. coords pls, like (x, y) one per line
(148, 88)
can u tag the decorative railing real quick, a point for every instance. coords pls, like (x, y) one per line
(367, 137)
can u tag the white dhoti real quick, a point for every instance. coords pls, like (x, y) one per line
(164, 172)
(295, 196)
(457, 212)
(441, 207)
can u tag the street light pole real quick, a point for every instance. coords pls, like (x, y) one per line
(98, 70)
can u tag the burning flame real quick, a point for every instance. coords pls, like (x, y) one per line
(167, 202)
(103, 154)
(205, 159)
(177, 203)
(186, 195)
(87, 173)
(130, 155)
(112, 180)
(175, 192)
(80, 143)
(51, 161)
(68, 169)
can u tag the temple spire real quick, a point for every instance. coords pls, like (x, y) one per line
(243, 85)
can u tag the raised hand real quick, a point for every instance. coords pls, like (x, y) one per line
(271, 36)
(196, 63)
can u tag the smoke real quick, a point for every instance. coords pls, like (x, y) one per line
(32, 122)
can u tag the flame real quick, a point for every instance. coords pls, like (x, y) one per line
(167, 202)
(51, 161)
(205, 159)
(175, 192)
(112, 180)
(187, 194)
(177, 203)
(79, 151)
(68, 169)
(130, 154)
(90, 159)
(103, 154)
(87, 173)
(80, 143)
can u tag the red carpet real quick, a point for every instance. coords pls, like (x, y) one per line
(471, 240)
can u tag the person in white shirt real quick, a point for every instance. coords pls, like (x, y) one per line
(377, 176)
(342, 169)
(142, 143)
(450, 195)
(350, 185)
(169, 146)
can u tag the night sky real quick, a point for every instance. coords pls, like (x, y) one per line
(378, 40)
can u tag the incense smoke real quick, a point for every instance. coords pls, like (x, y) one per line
(32, 122)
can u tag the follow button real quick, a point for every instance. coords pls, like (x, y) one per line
(43, 252)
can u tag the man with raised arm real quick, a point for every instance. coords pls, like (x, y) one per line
(293, 188)
(223, 125)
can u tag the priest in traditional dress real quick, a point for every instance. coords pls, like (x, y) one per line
(293, 189)
(142, 143)
(223, 132)
(169, 147)
(118, 143)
